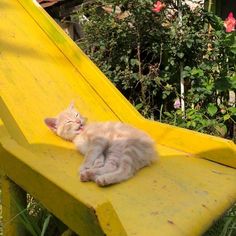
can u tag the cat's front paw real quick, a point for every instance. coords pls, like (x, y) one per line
(101, 181)
(87, 175)
(84, 176)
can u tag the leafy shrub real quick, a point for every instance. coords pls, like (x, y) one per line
(144, 53)
(226, 226)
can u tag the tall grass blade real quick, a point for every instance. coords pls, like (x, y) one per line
(45, 225)
(29, 225)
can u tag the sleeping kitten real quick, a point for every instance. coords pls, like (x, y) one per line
(113, 151)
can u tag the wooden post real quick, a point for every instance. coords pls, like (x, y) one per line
(12, 194)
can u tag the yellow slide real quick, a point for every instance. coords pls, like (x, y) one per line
(41, 72)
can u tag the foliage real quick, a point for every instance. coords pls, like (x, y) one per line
(37, 220)
(142, 51)
(226, 226)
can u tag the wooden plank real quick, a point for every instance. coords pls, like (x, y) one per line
(196, 144)
(39, 77)
(27, 173)
(80, 210)
(33, 67)
(179, 189)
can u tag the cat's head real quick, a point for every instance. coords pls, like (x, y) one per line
(67, 124)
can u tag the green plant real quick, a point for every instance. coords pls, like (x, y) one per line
(144, 53)
(226, 226)
(37, 220)
(211, 120)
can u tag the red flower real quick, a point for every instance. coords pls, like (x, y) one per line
(230, 23)
(158, 6)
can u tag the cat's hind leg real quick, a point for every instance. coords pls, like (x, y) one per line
(110, 166)
(85, 173)
(93, 157)
(125, 171)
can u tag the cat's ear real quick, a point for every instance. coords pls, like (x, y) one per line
(51, 123)
(72, 105)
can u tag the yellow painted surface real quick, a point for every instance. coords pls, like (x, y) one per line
(41, 71)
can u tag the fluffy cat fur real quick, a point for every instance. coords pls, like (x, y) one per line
(113, 151)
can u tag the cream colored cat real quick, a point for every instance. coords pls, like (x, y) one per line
(113, 151)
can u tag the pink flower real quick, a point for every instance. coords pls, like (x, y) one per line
(177, 103)
(158, 6)
(230, 23)
(223, 111)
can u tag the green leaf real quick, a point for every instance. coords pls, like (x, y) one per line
(45, 225)
(222, 129)
(193, 123)
(196, 71)
(134, 62)
(211, 109)
(189, 44)
(180, 55)
(168, 114)
(233, 50)
(216, 22)
(223, 84)
(139, 106)
(172, 62)
(185, 74)
(233, 81)
(232, 110)
(226, 117)
(187, 68)
(229, 40)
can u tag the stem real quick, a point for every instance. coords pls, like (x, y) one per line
(161, 112)
(181, 63)
(209, 5)
(182, 89)
(209, 45)
(234, 122)
(143, 90)
(161, 52)
(175, 119)
(139, 60)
